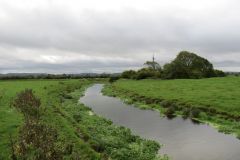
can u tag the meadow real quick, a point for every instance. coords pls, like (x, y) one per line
(84, 135)
(80, 133)
(216, 99)
(10, 119)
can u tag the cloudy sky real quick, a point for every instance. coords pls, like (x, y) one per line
(74, 36)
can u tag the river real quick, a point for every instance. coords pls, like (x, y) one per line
(181, 139)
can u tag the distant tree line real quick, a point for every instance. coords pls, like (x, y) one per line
(233, 73)
(186, 65)
(52, 76)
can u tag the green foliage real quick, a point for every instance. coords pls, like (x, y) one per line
(153, 70)
(219, 73)
(153, 65)
(195, 113)
(36, 139)
(186, 113)
(113, 79)
(188, 65)
(170, 112)
(141, 74)
(129, 74)
(28, 104)
(104, 137)
(185, 66)
(146, 73)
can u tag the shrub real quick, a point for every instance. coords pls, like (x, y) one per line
(77, 117)
(69, 148)
(28, 104)
(170, 111)
(238, 135)
(129, 74)
(97, 145)
(165, 104)
(145, 73)
(175, 106)
(186, 113)
(113, 79)
(195, 113)
(67, 96)
(219, 73)
(38, 141)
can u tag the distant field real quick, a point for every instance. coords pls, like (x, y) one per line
(219, 93)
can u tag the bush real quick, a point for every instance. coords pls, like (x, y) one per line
(165, 104)
(145, 73)
(195, 113)
(130, 74)
(186, 113)
(97, 145)
(170, 112)
(36, 139)
(113, 79)
(28, 104)
(67, 96)
(77, 117)
(219, 73)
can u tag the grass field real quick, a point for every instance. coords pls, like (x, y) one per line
(10, 119)
(220, 95)
(87, 135)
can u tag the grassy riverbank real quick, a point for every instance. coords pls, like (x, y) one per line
(81, 133)
(213, 100)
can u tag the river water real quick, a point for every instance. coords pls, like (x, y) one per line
(181, 139)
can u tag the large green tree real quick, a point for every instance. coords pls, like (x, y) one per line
(188, 65)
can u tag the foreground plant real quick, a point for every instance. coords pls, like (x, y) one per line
(36, 139)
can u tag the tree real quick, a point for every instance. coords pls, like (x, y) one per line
(188, 65)
(113, 79)
(129, 74)
(219, 73)
(153, 65)
(146, 73)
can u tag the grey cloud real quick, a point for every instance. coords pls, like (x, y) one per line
(129, 33)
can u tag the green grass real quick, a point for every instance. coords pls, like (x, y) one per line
(90, 136)
(218, 94)
(116, 142)
(10, 119)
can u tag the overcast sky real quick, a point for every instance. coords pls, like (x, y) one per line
(74, 36)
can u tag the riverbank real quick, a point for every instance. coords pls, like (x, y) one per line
(81, 134)
(211, 101)
(181, 138)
